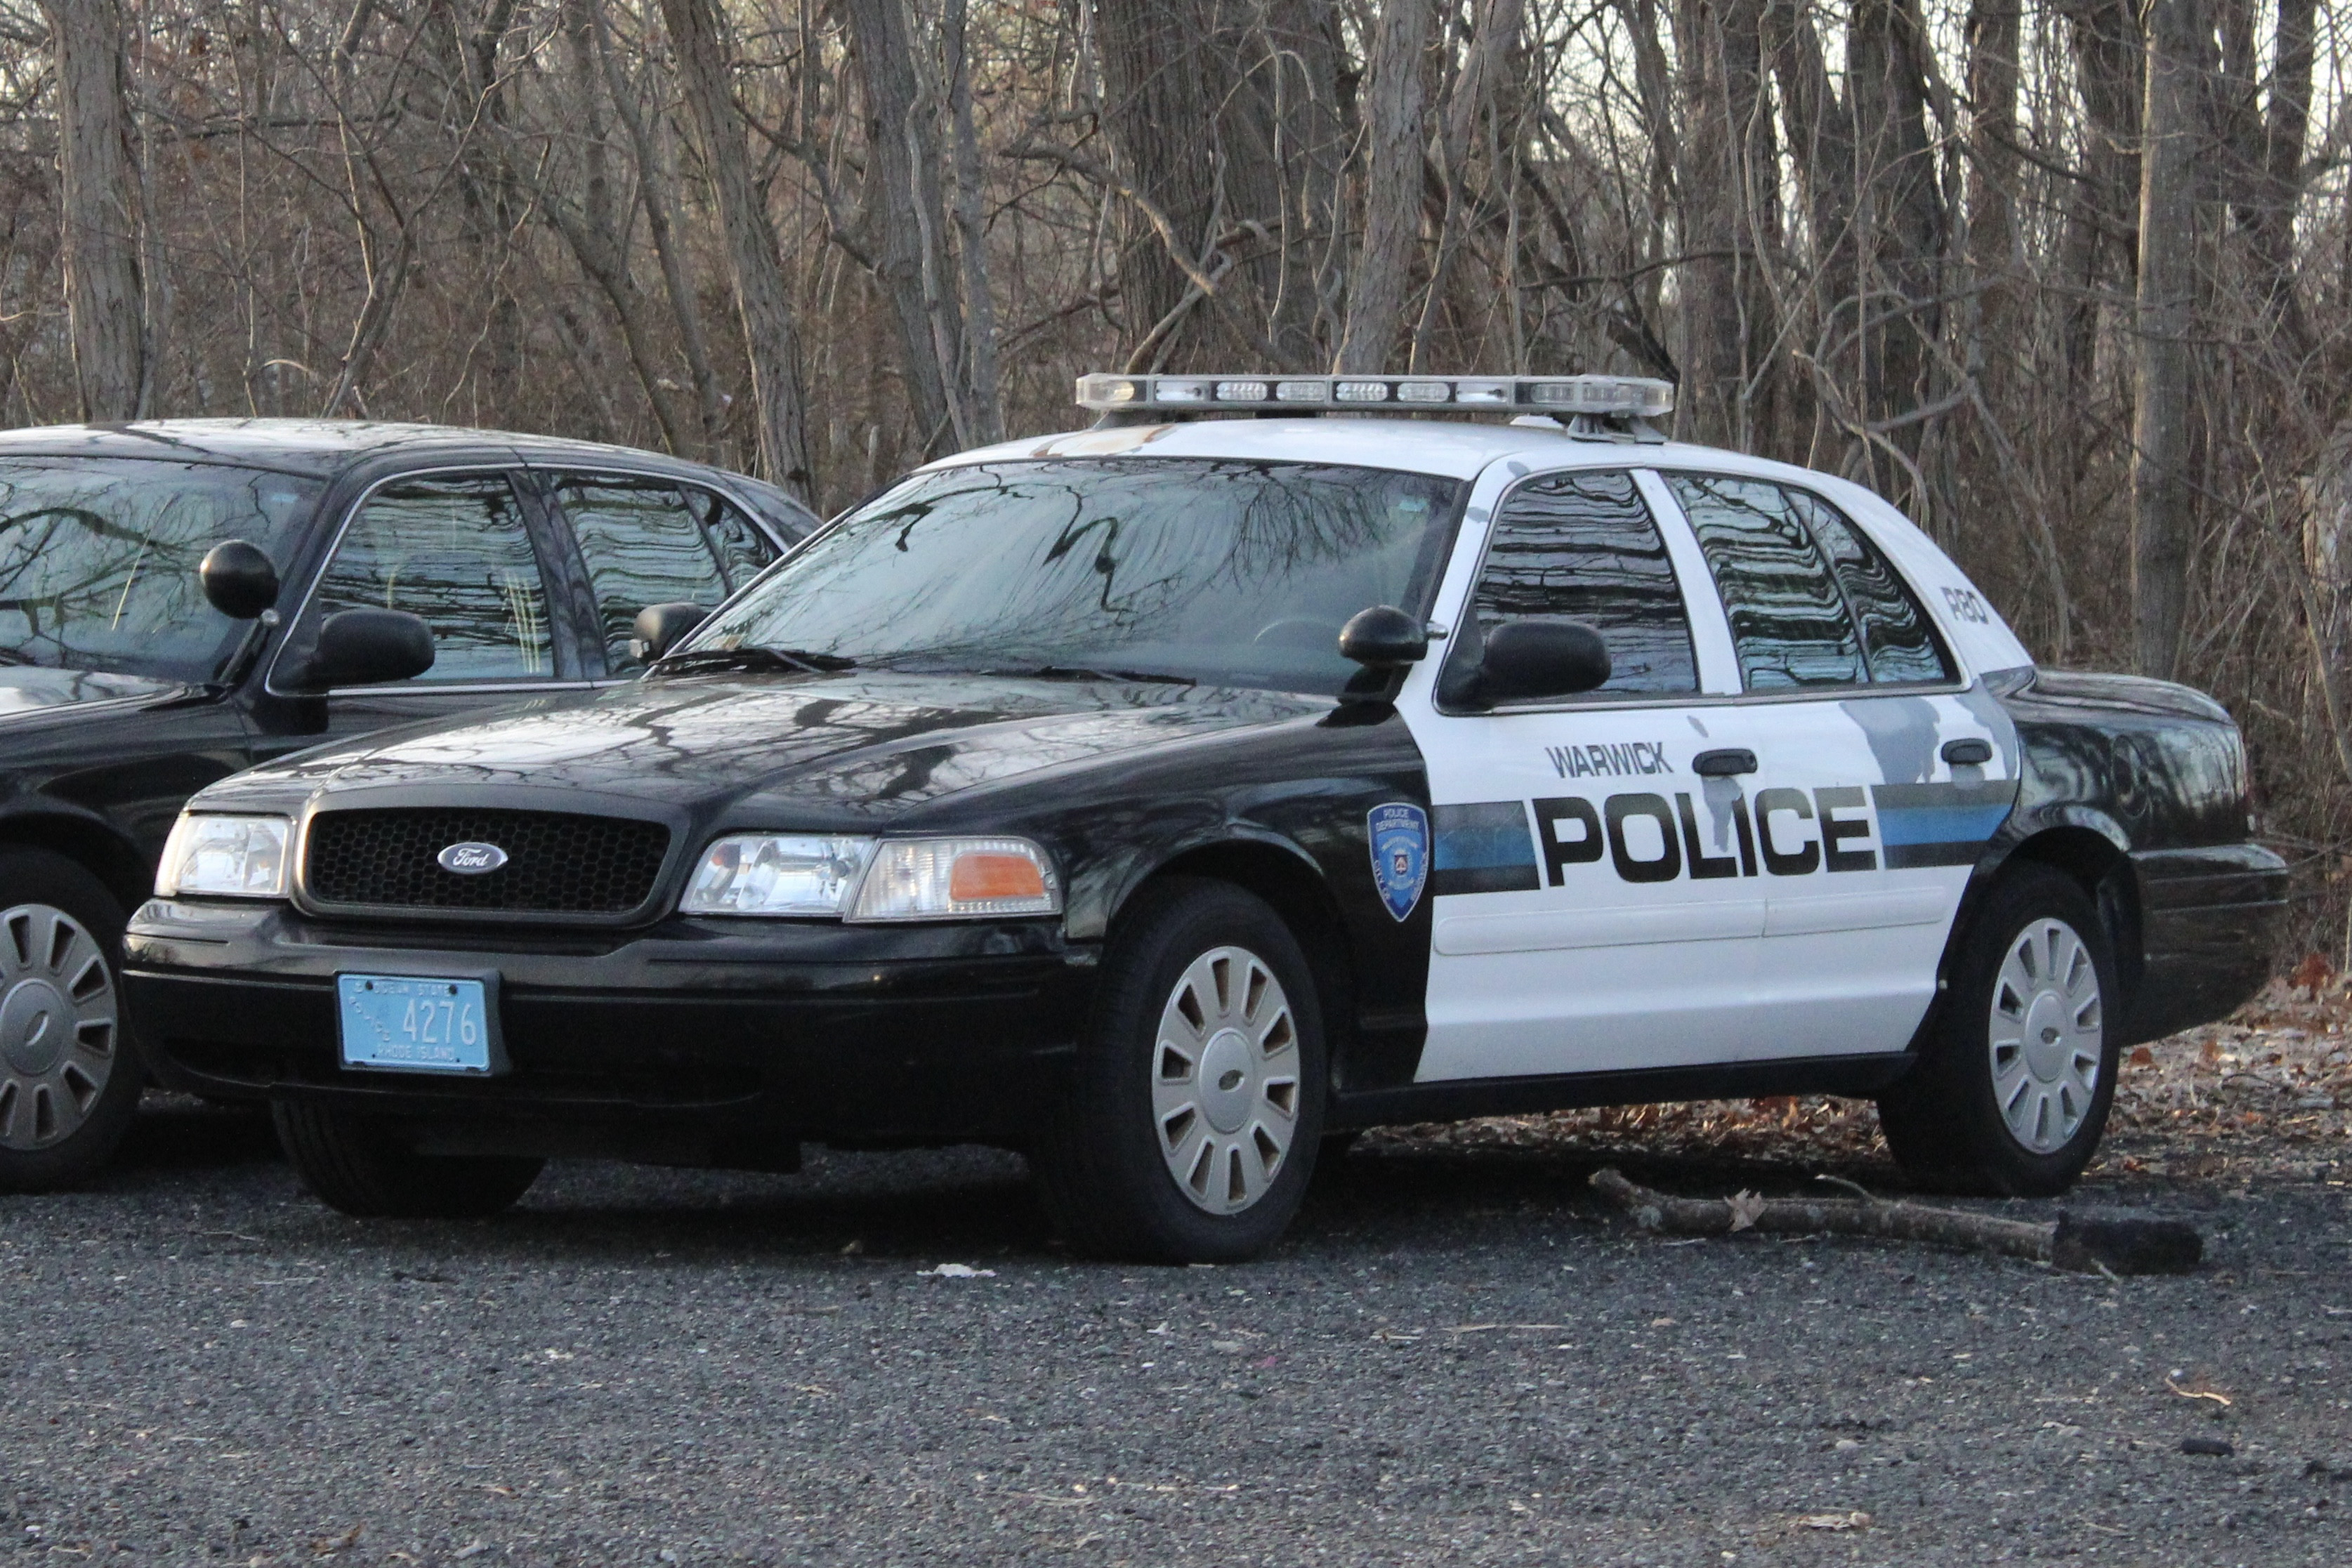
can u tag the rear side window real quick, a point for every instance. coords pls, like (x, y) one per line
(743, 549)
(1789, 625)
(1896, 639)
(643, 545)
(1583, 546)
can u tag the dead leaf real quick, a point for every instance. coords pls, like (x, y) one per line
(1854, 1519)
(2223, 1400)
(2142, 1057)
(1747, 1208)
(327, 1545)
(2313, 972)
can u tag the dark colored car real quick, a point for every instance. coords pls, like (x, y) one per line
(124, 691)
(1160, 798)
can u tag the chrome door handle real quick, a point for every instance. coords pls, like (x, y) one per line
(1730, 762)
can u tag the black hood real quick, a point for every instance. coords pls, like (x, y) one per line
(854, 747)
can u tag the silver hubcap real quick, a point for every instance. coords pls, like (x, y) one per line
(1225, 1080)
(57, 1026)
(2046, 1036)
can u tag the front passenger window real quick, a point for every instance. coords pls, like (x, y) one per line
(1789, 621)
(456, 552)
(1582, 546)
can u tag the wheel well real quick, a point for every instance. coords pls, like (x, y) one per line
(1304, 904)
(2105, 873)
(122, 869)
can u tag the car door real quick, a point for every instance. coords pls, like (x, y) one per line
(647, 541)
(1589, 908)
(469, 554)
(1866, 825)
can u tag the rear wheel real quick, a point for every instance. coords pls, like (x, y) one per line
(1192, 1119)
(69, 1079)
(357, 1164)
(2013, 1094)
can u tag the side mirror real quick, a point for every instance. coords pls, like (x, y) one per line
(1383, 637)
(661, 627)
(238, 579)
(1527, 659)
(367, 648)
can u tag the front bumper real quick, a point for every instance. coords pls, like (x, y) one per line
(693, 1041)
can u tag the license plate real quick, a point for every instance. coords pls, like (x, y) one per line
(411, 1023)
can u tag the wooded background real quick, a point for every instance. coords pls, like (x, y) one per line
(2067, 279)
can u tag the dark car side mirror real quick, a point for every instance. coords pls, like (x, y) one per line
(366, 648)
(659, 627)
(1385, 637)
(1520, 660)
(238, 580)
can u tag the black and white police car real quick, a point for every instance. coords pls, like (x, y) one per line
(1164, 798)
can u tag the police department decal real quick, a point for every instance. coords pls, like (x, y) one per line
(1399, 841)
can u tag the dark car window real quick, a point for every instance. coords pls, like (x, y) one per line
(1897, 638)
(1583, 546)
(644, 545)
(1223, 572)
(743, 549)
(1789, 620)
(455, 551)
(98, 559)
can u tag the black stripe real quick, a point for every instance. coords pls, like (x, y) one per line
(1447, 880)
(1903, 857)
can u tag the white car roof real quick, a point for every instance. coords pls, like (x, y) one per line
(1460, 449)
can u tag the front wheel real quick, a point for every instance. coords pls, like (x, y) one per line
(357, 1164)
(69, 1079)
(1189, 1127)
(2012, 1094)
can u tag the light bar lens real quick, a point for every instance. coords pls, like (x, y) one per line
(777, 874)
(1606, 397)
(948, 879)
(224, 857)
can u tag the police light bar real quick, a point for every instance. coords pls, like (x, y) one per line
(1633, 397)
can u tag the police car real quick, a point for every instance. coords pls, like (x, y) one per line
(1165, 798)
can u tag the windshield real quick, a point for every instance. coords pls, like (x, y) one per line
(98, 559)
(1224, 573)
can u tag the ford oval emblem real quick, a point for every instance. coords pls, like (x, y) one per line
(471, 859)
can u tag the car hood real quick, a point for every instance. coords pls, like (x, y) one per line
(856, 747)
(32, 689)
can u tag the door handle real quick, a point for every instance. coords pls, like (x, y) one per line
(1728, 763)
(1967, 753)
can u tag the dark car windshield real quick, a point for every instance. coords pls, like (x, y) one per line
(1225, 573)
(98, 559)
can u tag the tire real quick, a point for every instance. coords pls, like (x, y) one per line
(70, 1075)
(354, 1163)
(1188, 1128)
(2012, 1094)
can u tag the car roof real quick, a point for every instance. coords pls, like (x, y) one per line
(319, 447)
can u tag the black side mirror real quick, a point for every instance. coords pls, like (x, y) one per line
(1383, 637)
(238, 579)
(367, 648)
(661, 627)
(1542, 658)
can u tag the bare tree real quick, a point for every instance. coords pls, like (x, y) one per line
(1396, 102)
(104, 214)
(2161, 519)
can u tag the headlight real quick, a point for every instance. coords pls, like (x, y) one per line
(776, 873)
(942, 879)
(224, 857)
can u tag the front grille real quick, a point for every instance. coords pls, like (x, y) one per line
(557, 862)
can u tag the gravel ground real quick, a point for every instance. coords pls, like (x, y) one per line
(1459, 1356)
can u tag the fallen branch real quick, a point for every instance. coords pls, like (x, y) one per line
(2085, 1245)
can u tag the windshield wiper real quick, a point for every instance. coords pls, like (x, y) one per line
(1089, 673)
(753, 661)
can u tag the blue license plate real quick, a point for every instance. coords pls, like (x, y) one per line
(409, 1023)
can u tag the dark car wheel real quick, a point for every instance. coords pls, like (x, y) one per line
(1191, 1120)
(69, 1078)
(357, 1164)
(2013, 1094)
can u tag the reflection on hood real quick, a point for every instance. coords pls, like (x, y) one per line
(28, 688)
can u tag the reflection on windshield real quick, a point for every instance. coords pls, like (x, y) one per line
(1224, 573)
(98, 558)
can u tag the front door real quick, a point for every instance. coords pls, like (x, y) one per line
(1591, 911)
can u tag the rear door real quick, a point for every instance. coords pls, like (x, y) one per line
(1594, 903)
(1866, 826)
(646, 541)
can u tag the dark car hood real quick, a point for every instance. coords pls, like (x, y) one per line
(856, 745)
(31, 688)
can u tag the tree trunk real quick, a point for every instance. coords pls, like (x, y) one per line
(909, 211)
(1729, 164)
(1479, 91)
(2161, 514)
(105, 292)
(1994, 34)
(2280, 181)
(972, 234)
(1394, 106)
(1898, 216)
(771, 334)
(2096, 250)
